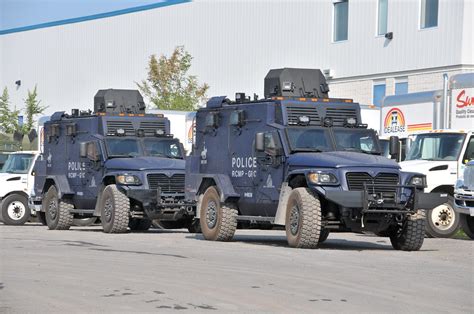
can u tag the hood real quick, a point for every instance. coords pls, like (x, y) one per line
(340, 159)
(145, 163)
(424, 166)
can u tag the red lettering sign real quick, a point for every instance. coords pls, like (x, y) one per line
(467, 101)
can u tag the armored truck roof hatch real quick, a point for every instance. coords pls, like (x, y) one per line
(296, 83)
(118, 101)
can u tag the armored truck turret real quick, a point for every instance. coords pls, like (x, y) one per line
(118, 163)
(302, 160)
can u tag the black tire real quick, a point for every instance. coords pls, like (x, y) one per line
(115, 210)
(443, 221)
(41, 218)
(15, 210)
(84, 222)
(323, 235)
(467, 225)
(218, 221)
(136, 224)
(410, 236)
(303, 219)
(57, 211)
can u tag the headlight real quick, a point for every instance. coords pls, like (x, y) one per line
(128, 179)
(322, 178)
(418, 181)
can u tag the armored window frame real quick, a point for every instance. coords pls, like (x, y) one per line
(237, 118)
(212, 120)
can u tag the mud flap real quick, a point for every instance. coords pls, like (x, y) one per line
(280, 216)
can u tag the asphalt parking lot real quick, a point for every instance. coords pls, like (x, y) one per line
(85, 270)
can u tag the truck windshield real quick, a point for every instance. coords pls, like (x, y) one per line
(17, 163)
(358, 140)
(123, 147)
(384, 147)
(157, 147)
(132, 147)
(309, 140)
(436, 146)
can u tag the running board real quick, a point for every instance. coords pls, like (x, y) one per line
(256, 219)
(81, 211)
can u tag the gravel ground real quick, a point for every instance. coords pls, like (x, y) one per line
(85, 270)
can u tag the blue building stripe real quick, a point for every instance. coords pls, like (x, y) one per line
(164, 3)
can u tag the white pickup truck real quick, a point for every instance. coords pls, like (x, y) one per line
(16, 182)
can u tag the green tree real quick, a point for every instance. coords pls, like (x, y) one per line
(168, 85)
(8, 117)
(32, 108)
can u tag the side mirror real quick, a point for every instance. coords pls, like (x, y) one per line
(260, 142)
(394, 146)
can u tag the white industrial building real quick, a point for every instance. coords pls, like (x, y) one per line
(368, 48)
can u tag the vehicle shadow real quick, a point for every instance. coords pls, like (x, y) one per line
(329, 244)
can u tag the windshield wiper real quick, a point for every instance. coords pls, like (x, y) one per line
(121, 156)
(353, 149)
(308, 150)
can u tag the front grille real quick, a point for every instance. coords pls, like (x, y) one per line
(382, 183)
(173, 184)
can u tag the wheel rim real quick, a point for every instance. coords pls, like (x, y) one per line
(108, 208)
(443, 217)
(53, 209)
(294, 219)
(211, 216)
(16, 210)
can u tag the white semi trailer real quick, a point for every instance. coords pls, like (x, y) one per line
(439, 126)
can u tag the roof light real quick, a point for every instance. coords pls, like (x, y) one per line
(303, 120)
(350, 122)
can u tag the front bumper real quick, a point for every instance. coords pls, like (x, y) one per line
(34, 208)
(464, 202)
(407, 200)
(155, 203)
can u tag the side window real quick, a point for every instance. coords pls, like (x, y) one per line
(469, 154)
(272, 143)
(429, 13)
(341, 19)
(378, 93)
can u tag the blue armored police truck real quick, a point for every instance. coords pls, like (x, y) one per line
(300, 159)
(117, 163)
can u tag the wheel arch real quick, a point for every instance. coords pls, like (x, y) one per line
(18, 193)
(444, 188)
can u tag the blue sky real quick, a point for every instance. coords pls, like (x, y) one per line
(21, 13)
